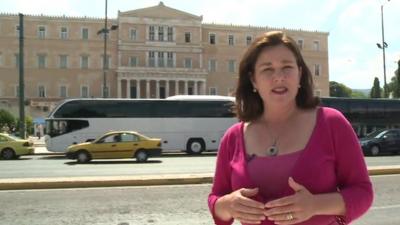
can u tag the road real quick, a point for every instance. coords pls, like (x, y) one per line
(155, 205)
(58, 166)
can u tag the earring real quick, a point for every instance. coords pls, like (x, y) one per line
(299, 86)
(254, 90)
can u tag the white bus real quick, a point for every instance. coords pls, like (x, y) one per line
(184, 123)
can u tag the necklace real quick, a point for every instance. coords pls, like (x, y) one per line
(273, 150)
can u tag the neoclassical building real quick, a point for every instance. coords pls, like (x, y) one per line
(155, 52)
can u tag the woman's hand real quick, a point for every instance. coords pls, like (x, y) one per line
(238, 205)
(292, 209)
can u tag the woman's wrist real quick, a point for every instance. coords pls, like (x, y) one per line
(329, 204)
(220, 208)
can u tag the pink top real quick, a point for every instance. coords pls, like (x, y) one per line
(273, 170)
(331, 161)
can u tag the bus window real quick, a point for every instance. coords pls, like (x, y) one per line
(58, 127)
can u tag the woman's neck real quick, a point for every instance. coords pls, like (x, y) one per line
(279, 115)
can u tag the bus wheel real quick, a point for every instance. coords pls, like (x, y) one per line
(8, 153)
(195, 146)
(82, 156)
(141, 156)
(374, 150)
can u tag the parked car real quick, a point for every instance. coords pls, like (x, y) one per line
(116, 144)
(12, 147)
(381, 141)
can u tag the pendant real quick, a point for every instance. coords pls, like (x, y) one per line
(272, 151)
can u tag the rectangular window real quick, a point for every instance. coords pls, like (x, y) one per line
(161, 33)
(188, 63)
(41, 61)
(316, 45)
(41, 91)
(231, 39)
(249, 39)
(16, 56)
(84, 91)
(170, 34)
(85, 33)
(317, 69)
(63, 91)
(133, 61)
(211, 38)
(170, 59)
(231, 66)
(63, 61)
(161, 59)
(64, 33)
(152, 59)
(300, 43)
(132, 34)
(151, 33)
(84, 62)
(187, 37)
(213, 91)
(212, 65)
(41, 32)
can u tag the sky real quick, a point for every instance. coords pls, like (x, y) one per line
(354, 26)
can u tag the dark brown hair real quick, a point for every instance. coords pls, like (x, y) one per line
(249, 105)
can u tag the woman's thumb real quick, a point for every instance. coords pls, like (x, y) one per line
(249, 192)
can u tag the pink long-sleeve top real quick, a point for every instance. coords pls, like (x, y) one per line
(332, 161)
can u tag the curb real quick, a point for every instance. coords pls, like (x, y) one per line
(147, 180)
(108, 181)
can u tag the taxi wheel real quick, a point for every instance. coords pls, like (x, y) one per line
(8, 154)
(141, 156)
(83, 156)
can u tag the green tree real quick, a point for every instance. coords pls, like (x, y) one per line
(6, 119)
(396, 82)
(376, 91)
(28, 125)
(358, 94)
(339, 90)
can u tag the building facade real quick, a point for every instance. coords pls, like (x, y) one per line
(155, 52)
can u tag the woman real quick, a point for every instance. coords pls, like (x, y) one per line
(288, 161)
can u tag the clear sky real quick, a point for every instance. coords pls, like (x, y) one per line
(354, 26)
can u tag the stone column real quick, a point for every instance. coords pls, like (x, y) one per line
(203, 87)
(119, 88)
(137, 88)
(176, 87)
(166, 88)
(157, 88)
(128, 88)
(186, 87)
(195, 88)
(147, 88)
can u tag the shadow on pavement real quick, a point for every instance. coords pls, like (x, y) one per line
(54, 157)
(113, 162)
(184, 154)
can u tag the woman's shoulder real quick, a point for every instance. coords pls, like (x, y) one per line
(235, 129)
(332, 115)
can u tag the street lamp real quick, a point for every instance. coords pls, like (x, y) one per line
(105, 32)
(382, 46)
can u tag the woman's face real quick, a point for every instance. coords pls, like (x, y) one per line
(276, 76)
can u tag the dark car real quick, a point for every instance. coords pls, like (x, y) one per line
(381, 141)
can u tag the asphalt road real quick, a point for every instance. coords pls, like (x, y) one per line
(155, 205)
(57, 166)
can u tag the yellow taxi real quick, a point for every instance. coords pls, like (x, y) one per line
(115, 145)
(12, 147)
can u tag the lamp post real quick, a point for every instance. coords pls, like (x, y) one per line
(382, 46)
(105, 32)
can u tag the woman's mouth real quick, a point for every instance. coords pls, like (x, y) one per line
(280, 90)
